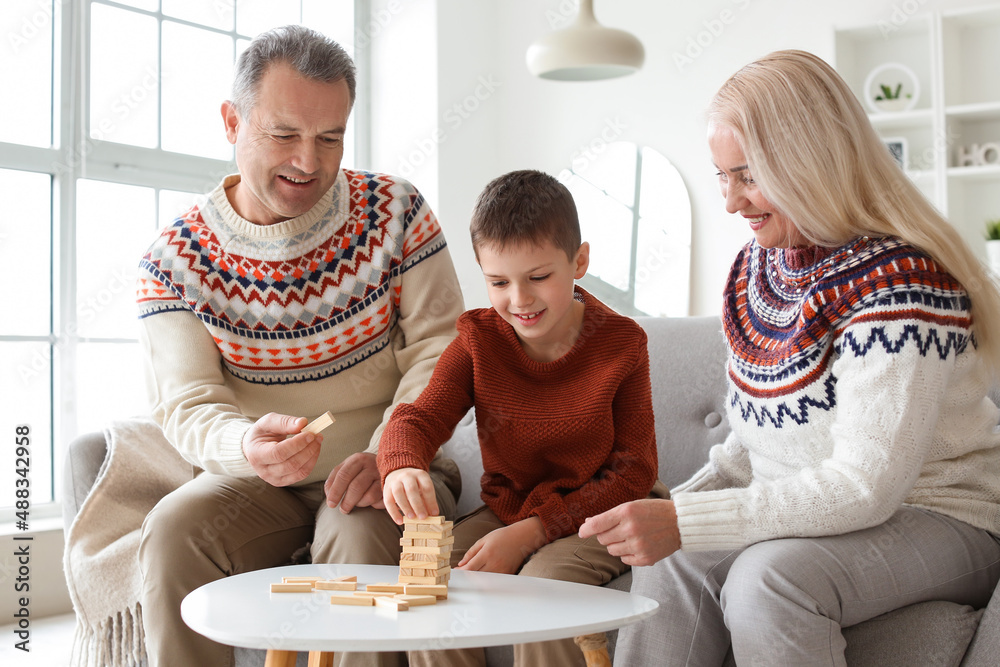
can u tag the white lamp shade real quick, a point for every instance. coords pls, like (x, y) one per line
(585, 51)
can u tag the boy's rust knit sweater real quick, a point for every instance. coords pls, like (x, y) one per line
(563, 440)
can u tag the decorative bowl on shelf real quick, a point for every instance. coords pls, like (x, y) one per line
(892, 105)
(891, 87)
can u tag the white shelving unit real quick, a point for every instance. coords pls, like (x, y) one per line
(954, 55)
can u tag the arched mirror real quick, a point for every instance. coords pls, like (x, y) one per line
(635, 212)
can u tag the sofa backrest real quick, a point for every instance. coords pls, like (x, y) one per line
(687, 373)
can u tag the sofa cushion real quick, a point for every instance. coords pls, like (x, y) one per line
(930, 633)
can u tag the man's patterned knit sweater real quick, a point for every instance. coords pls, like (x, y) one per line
(562, 440)
(345, 308)
(854, 387)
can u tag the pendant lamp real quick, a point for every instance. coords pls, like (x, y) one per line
(585, 51)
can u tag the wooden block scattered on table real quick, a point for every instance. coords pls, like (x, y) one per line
(334, 585)
(391, 603)
(300, 580)
(320, 423)
(437, 590)
(373, 594)
(292, 588)
(354, 600)
(384, 587)
(352, 577)
(417, 600)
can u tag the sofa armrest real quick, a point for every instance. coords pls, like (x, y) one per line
(84, 458)
(985, 645)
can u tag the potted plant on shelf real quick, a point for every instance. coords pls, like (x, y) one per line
(890, 99)
(993, 245)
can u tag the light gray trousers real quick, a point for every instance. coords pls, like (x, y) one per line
(784, 602)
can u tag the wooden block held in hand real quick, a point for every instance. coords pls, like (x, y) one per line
(355, 600)
(439, 520)
(292, 588)
(320, 423)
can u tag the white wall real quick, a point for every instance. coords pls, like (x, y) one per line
(518, 121)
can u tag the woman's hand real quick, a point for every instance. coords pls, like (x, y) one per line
(504, 550)
(640, 533)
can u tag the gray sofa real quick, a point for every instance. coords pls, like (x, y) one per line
(686, 357)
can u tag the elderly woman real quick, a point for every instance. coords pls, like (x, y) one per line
(863, 471)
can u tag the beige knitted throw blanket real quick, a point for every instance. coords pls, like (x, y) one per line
(101, 557)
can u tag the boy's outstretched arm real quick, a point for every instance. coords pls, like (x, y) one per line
(409, 492)
(504, 550)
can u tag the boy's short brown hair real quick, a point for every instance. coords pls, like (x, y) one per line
(525, 206)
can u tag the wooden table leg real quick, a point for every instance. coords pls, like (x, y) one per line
(276, 658)
(595, 649)
(320, 659)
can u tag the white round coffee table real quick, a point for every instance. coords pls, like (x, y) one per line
(482, 609)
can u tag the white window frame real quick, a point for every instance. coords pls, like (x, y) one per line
(75, 155)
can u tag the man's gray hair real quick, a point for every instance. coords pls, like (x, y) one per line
(310, 53)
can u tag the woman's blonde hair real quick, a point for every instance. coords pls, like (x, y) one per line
(814, 154)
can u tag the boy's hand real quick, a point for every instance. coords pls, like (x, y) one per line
(278, 451)
(409, 492)
(505, 549)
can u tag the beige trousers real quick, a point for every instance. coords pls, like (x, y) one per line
(567, 559)
(216, 526)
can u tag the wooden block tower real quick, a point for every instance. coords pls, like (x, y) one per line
(426, 556)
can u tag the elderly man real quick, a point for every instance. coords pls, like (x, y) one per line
(299, 288)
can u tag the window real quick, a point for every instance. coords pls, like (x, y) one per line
(635, 212)
(114, 131)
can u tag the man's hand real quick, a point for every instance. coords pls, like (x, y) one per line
(640, 533)
(354, 482)
(409, 492)
(504, 550)
(278, 459)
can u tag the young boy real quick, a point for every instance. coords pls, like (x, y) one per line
(560, 384)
